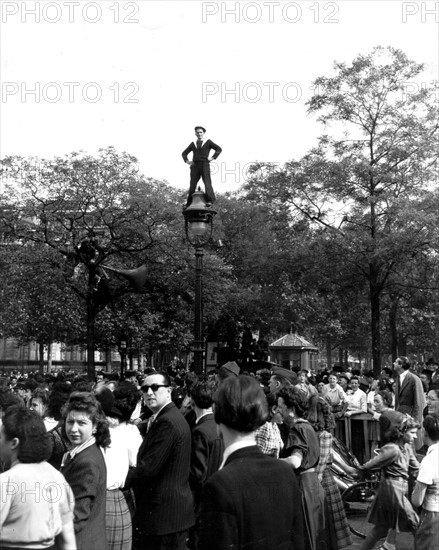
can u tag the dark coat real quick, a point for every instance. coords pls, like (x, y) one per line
(207, 453)
(253, 503)
(410, 398)
(86, 474)
(160, 480)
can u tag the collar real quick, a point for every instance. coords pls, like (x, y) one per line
(209, 411)
(76, 450)
(155, 415)
(235, 447)
(203, 141)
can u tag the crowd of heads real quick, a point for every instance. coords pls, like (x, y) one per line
(241, 400)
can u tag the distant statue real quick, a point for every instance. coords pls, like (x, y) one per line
(200, 163)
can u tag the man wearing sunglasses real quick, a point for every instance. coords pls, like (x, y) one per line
(160, 480)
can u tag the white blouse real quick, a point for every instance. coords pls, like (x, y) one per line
(121, 454)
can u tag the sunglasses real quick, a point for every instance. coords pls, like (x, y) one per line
(153, 387)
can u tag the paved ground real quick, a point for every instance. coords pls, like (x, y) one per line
(404, 541)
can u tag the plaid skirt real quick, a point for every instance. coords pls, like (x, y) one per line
(118, 522)
(338, 524)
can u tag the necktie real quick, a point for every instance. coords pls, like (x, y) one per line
(199, 143)
(150, 421)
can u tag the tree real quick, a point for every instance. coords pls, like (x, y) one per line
(358, 183)
(91, 211)
(35, 301)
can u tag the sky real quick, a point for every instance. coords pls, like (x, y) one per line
(140, 75)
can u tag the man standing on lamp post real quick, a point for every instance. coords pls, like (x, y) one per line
(200, 163)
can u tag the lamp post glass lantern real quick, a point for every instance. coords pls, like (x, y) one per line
(198, 227)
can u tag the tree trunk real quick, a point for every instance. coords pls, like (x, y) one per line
(329, 354)
(107, 358)
(403, 344)
(91, 313)
(375, 327)
(393, 328)
(49, 357)
(41, 357)
(340, 356)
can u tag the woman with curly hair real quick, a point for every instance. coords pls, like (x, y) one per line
(322, 420)
(84, 467)
(391, 511)
(302, 453)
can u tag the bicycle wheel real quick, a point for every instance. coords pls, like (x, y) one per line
(357, 501)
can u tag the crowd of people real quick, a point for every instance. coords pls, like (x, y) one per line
(173, 460)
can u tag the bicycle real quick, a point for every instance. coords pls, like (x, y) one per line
(357, 500)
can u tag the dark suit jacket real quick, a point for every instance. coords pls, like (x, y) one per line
(160, 480)
(410, 398)
(87, 476)
(207, 453)
(253, 503)
(202, 154)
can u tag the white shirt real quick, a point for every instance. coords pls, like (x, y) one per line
(429, 475)
(36, 501)
(402, 376)
(121, 454)
(335, 395)
(50, 423)
(357, 401)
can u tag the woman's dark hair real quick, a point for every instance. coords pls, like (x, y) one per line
(25, 424)
(87, 403)
(386, 396)
(30, 384)
(431, 427)
(271, 398)
(399, 425)
(295, 399)
(202, 394)
(9, 399)
(41, 393)
(320, 414)
(81, 384)
(240, 404)
(126, 397)
(58, 397)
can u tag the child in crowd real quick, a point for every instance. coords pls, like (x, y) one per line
(391, 510)
(426, 491)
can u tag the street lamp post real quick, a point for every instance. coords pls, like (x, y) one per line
(198, 227)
